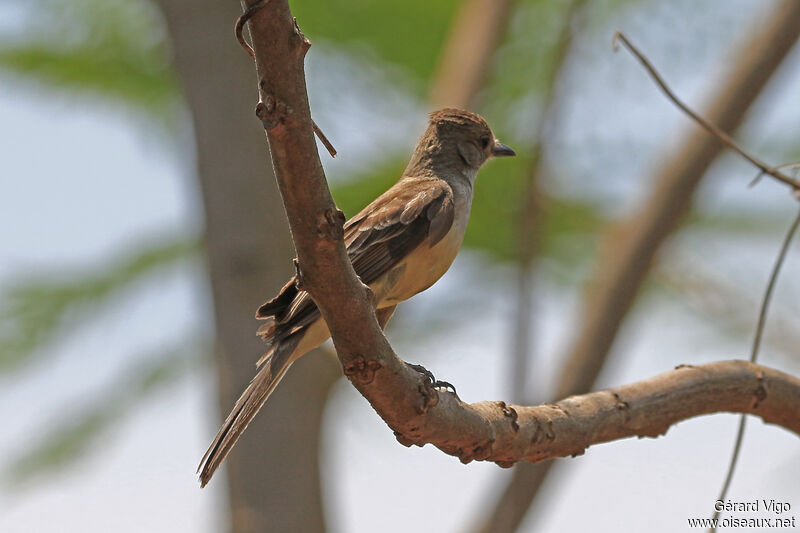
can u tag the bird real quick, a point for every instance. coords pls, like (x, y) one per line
(399, 245)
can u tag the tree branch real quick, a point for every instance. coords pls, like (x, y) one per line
(648, 408)
(416, 412)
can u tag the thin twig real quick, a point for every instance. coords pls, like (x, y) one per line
(324, 140)
(758, 177)
(726, 139)
(238, 29)
(762, 319)
(762, 315)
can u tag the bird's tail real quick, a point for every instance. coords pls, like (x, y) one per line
(274, 367)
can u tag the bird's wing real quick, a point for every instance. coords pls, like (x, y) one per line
(391, 227)
(377, 239)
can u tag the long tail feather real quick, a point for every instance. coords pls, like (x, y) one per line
(248, 404)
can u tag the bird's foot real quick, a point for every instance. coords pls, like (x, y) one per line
(422, 370)
(444, 386)
(435, 383)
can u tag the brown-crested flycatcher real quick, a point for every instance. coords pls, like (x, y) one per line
(399, 245)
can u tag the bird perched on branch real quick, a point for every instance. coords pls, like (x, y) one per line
(399, 245)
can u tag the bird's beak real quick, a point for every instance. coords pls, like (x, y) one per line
(499, 149)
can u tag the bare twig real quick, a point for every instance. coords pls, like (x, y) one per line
(630, 247)
(760, 174)
(238, 29)
(762, 319)
(323, 139)
(773, 278)
(726, 139)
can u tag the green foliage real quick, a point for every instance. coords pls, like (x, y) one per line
(80, 428)
(36, 312)
(404, 33)
(525, 63)
(113, 49)
(352, 195)
(732, 223)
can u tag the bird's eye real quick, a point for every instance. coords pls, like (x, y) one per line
(485, 142)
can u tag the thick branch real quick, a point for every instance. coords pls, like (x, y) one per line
(648, 408)
(417, 413)
(510, 433)
(316, 224)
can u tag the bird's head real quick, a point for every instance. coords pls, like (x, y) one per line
(458, 140)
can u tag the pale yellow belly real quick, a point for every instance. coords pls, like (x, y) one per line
(421, 269)
(316, 333)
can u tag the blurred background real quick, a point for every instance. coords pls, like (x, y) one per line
(141, 228)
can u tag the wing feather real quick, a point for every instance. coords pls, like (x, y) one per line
(377, 239)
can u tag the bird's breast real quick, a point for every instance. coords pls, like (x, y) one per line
(422, 267)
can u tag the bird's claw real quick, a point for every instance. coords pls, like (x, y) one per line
(435, 383)
(444, 386)
(422, 370)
